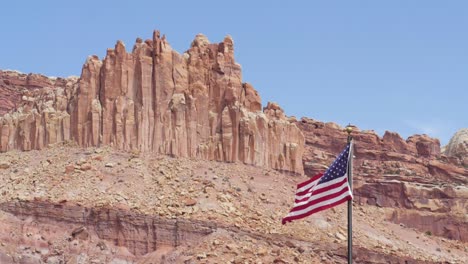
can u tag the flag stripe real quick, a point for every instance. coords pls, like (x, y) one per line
(318, 209)
(313, 178)
(336, 183)
(312, 207)
(318, 196)
(308, 184)
(322, 188)
(326, 184)
(335, 194)
(309, 208)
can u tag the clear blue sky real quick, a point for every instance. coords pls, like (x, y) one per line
(384, 65)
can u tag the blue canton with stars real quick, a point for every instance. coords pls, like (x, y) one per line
(338, 168)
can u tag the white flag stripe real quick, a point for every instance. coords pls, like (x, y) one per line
(310, 208)
(308, 186)
(320, 195)
(321, 186)
(331, 189)
(337, 180)
(303, 196)
(310, 193)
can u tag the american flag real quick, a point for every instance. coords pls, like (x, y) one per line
(324, 190)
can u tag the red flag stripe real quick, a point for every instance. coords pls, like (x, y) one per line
(327, 188)
(321, 208)
(311, 184)
(322, 188)
(321, 199)
(319, 193)
(313, 178)
(312, 207)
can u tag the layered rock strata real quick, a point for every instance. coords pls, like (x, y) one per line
(124, 236)
(426, 188)
(140, 234)
(157, 100)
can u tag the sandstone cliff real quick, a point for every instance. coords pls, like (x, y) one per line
(34, 110)
(157, 100)
(17, 88)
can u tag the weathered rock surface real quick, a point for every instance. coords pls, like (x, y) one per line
(426, 188)
(140, 234)
(458, 146)
(107, 235)
(16, 87)
(157, 100)
(37, 106)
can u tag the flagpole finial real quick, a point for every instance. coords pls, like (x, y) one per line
(349, 129)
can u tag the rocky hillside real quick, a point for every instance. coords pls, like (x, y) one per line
(67, 204)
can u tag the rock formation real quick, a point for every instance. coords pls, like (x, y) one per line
(37, 110)
(156, 100)
(15, 85)
(458, 146)
(141, 234)
(426, 188)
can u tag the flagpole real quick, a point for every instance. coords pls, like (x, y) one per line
(349, 129)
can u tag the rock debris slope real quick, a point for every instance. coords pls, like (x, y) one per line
(100, 205)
